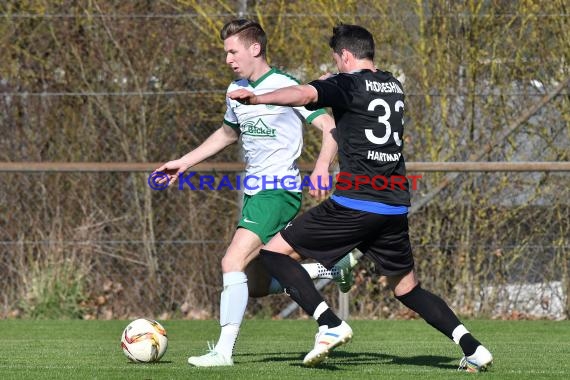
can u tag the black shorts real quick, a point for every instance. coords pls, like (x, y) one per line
(327, 232)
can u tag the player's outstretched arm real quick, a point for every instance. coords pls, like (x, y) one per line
(286, 96)
(217, 141)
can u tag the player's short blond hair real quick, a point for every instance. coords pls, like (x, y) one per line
(249, 32)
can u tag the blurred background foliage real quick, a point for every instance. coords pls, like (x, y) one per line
(115, 81)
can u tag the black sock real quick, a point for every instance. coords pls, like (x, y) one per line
(329, 319)
(294, 279)
(432, 309)
(468, 344)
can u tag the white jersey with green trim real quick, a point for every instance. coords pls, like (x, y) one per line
(272, 136)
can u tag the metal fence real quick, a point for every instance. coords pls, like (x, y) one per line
(92, 240)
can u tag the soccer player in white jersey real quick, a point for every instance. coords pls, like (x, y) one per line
(272, 140)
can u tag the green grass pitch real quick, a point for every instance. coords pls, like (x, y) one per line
(268, 349)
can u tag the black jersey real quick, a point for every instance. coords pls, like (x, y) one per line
(368, 109)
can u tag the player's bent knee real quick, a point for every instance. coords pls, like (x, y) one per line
(232, 264)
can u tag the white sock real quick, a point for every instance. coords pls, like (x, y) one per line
(458, 332)
(233, 302)
(321, 308)
(317, 270)
(227, 341)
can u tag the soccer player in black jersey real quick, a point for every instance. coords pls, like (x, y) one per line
(368, 209)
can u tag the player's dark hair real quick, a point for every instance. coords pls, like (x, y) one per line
(353, 38)
(249, 32)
